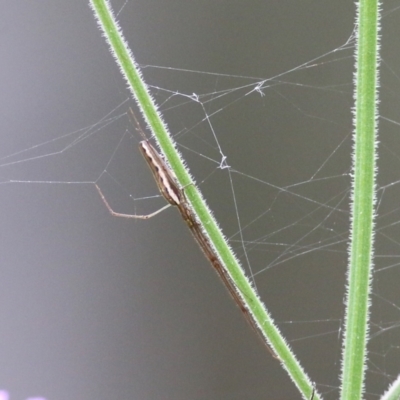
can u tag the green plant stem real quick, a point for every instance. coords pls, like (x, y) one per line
(131, 73)
(363, 198)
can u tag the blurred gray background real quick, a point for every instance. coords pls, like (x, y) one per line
(95, 307)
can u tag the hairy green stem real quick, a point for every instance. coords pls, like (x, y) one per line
(363, 199)
(139, 90)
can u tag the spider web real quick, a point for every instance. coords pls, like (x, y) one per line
(271, 153)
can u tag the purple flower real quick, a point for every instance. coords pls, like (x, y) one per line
(4, 395)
